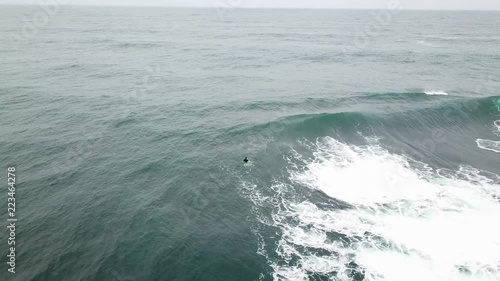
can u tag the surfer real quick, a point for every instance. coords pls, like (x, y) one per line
(245, 160)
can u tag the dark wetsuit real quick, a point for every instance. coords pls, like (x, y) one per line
(245, 160)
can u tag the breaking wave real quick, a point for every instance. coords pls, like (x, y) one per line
(394, 218)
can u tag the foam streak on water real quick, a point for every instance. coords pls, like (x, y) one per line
(405, 220)
(436, 93)
(491, 145)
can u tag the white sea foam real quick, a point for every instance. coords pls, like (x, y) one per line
(425, 43)
(403, 224)
(497, 126)
(491, 145)
(436, 93)
(488, 145)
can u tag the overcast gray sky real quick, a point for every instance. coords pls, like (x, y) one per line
(336, 4)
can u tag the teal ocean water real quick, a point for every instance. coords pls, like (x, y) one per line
(374, 143)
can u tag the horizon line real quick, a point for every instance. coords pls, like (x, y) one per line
(249, 8)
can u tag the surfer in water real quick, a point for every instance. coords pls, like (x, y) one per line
(246, 160)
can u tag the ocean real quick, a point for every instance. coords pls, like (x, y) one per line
(373, 139)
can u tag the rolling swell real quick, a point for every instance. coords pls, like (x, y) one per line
(303, 125)
(439, 130)
(463, 112)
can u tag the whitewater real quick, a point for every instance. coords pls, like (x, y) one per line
(400, 218)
